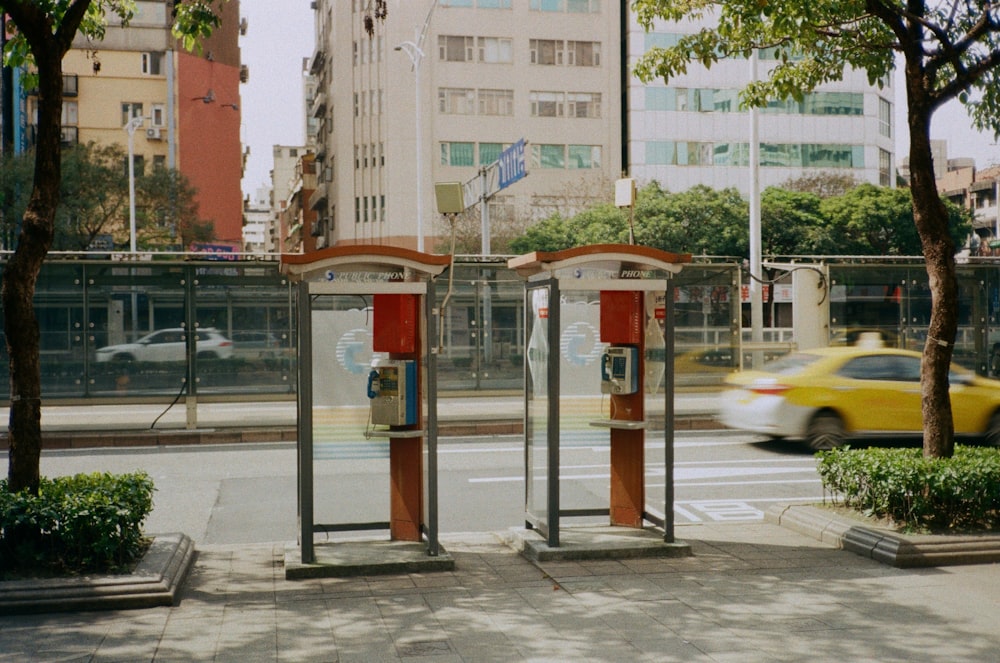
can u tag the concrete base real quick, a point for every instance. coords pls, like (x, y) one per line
(886, 545)
(365, 558)
(154, 582)
(595, 542)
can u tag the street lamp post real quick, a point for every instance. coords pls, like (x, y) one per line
(130, 127)
(416, 55)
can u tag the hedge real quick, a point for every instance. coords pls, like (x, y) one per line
(80, 524)
(957, 493)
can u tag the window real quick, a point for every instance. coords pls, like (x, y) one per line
(884, 168)
(583, 53)
(457, 100)
(884, 117)
(584, 156)
(572, 6)
(456, 49)
(130, 110)
(583, 104)
(152, 63)
(70, 113)
(157, 116)
(138, 165)
(458, 154)
(495, 50)
(159, 162)
(546, 104)
(548, 156)
(482, 4)
(546, 51)
(489, 152)
(496, 102)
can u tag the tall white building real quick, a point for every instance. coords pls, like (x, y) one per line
(444, 86)
(470, 78)
(692, 131)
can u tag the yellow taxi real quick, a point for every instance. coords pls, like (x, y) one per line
(828, 396)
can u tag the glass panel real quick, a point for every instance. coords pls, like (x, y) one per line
(706, 304)
(138, 331)
(342, 357)
(537, 403)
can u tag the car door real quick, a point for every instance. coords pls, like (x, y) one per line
(166, 345)
(881, 393)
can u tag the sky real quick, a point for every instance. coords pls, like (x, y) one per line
(281, 34)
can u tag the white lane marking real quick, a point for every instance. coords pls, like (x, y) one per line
(682, 477)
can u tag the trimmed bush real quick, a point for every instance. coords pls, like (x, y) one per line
(81, 524)
(957, 493)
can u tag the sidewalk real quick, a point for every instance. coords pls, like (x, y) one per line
(750, 592)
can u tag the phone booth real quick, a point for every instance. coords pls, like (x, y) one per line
(599, 376)
(367, 390)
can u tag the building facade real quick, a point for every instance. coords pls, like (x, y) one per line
(692, 131)
(188, 104)
(444, 86)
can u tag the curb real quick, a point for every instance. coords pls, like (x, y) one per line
(886, 545)
(154, 582)
(95, 439)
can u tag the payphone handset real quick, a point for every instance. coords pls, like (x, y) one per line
(620, 370)
(392, 388)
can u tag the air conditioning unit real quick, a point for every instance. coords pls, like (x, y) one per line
(154, 134)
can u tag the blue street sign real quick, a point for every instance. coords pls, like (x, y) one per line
(511, 164)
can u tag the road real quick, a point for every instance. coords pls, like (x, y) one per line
(246, 493)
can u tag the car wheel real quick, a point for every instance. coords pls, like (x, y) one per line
(993, 431)
(826, 431)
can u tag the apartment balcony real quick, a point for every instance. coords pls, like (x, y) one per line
(319, 105)
(318, 60)
(319, 197)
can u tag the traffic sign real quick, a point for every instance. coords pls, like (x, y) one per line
(511, 164)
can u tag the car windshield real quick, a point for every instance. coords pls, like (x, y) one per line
(791, 364)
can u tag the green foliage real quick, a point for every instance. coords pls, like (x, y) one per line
(701, 221)
(872, 220)
(79, 524)
(957, 493)
(600, 224)
(865, 220)
(94, 199)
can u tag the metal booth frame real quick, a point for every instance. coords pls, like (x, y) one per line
(602, 268)
(379, 270)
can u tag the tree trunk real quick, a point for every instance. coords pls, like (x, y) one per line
(19, 277)
(931, 218)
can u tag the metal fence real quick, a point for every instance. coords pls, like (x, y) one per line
(112, 330)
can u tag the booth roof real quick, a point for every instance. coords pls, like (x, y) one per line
(640, 257)
(361, 258)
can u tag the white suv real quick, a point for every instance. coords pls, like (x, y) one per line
(169, 345)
